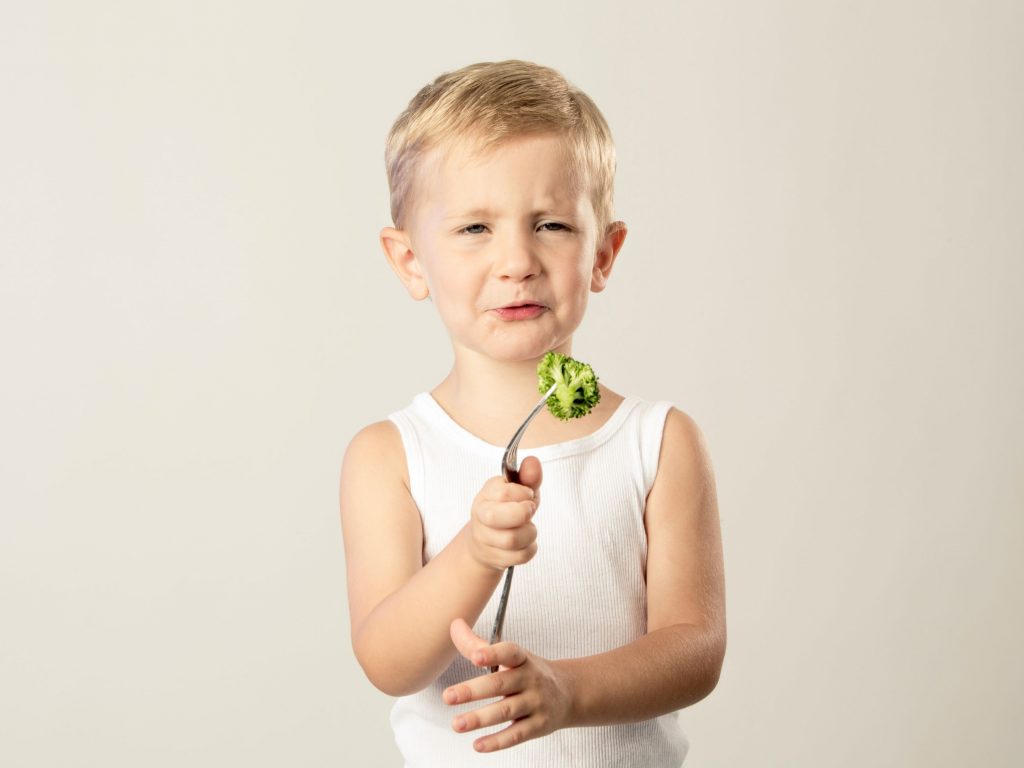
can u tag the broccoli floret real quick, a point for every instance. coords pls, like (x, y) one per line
(576, 392)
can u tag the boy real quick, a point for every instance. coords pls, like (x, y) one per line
(501, 194)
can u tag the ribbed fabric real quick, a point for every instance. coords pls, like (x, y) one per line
(583, 592)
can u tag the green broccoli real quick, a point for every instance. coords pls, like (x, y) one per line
(576, 391)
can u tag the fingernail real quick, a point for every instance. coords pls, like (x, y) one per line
(451, 697)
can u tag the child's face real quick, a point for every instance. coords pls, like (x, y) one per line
(507, 246)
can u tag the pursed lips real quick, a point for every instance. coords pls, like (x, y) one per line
(520, 310)
(524, 303)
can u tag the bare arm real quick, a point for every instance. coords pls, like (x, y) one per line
(393, 596)
(675, 664)
(679, 661)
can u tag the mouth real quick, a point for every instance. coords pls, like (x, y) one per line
(523, 310)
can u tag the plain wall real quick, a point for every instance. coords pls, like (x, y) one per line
(824, 269)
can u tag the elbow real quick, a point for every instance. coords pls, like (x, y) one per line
(384, 679)
(382, 672)
(701, 666)
(715, 659)
(380, 679)
(386, 684)
(711, 682)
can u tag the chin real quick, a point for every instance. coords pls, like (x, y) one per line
(514, 351)
(518, 357)
(516, 344)
(527, 352)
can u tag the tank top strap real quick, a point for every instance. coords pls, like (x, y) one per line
(412, 444)
(651, 418)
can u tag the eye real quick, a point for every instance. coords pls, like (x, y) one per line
(553, 226)
(474, 229)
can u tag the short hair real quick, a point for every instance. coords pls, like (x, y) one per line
(491, 102)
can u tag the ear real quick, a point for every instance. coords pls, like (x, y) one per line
(398, 250)
(607, 250)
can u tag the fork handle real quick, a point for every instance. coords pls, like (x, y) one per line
(499, 619)
(512, 476)
(510, 469)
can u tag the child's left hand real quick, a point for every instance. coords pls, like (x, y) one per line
(535, 692)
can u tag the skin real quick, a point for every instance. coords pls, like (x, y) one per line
(486, 231)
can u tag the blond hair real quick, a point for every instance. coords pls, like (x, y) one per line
(491, 102)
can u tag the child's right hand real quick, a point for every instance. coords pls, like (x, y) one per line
(501, 533)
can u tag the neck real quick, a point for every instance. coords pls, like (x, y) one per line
(480, 390)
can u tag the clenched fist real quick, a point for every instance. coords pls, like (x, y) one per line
(501, 531)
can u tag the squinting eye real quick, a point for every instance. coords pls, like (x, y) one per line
(553, 226)
(474, 229)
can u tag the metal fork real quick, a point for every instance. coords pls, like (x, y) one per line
(510, 470)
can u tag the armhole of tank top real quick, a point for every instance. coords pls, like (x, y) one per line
(652, 430)
(413, 455)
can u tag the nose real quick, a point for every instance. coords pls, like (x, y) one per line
(516, 258)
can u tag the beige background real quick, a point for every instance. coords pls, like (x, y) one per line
(824, 269)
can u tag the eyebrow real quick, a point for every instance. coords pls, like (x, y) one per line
(487, 213)
(476, 213)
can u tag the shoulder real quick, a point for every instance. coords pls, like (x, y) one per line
(381, 435)
(375, 450)
(685, 457)
(374, 492)
(682, 432)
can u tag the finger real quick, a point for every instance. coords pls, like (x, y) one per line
(509, 708)
(507, 654)
(498, 489)
(466, 642)
(509, 539)
(521, 730)
(530, 473)
(507, 514)
(503, 558)
(508, 682)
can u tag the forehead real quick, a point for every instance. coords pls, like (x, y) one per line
(536, 170)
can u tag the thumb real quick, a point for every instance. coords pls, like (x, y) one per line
(530, 473)
(464, 639)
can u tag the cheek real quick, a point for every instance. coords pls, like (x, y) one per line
(583, 277)
(576, 290)
(454, 291)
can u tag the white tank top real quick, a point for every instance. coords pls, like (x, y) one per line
(583, 593)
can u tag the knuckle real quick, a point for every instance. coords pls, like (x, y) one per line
(529, 533)
(500, 685)
(527, 554)
(518, 492)
(505, 711)
(479, 508)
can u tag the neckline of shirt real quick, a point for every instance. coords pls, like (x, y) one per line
(440, 416)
